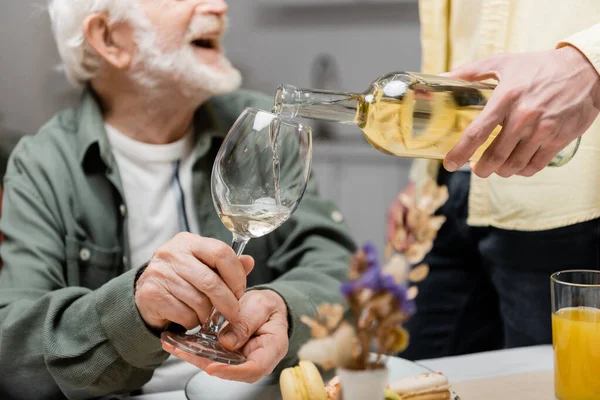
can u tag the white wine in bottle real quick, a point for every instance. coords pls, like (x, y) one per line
(405, 114)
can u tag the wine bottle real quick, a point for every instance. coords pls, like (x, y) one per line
(406, 114)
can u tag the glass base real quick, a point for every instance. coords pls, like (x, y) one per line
(203, 345)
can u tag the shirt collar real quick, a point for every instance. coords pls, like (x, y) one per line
(93, 145)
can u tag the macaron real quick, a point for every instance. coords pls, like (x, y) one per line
(428, 386)
(389, 395)
(303, 382)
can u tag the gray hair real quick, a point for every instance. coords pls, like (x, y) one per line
(80, 62)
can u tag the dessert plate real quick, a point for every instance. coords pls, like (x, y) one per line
(205, 387)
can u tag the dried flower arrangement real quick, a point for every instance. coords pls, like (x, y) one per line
(379, 297)
(413, 223)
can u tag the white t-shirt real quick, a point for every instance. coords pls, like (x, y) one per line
(152, 194)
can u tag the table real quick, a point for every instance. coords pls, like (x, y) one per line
(457, 369)
(494, 363)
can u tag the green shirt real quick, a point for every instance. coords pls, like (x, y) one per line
(69, 326)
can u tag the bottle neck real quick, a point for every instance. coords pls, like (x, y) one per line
(292, 102)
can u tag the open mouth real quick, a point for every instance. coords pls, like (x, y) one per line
(206, 43)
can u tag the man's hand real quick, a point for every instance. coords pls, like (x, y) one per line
(543, 101)
(186, 277)
(261, 332)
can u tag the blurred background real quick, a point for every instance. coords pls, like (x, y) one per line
(331, 44)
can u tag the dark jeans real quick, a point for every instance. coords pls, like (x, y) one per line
(490, 288)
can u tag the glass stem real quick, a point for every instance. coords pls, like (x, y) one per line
(214, 323)
(239, 244)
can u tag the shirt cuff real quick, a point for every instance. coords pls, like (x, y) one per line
(588, 43)
(123, 325)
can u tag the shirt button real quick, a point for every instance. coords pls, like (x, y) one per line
(123, 210)
(84, 254)
(337, 217)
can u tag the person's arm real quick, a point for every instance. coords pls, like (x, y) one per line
(544, 100)
(59, 341)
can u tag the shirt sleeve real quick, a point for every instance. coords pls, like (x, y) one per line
(58, 341)
(588, 43)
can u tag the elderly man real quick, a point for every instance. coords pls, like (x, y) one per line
(90, 199)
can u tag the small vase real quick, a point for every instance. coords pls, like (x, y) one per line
(363, 384)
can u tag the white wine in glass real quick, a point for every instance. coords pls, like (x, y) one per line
(255, 220)
(258, 179)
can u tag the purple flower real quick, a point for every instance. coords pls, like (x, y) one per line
(370, 251)
(374, 279)
(349, 287)
(400, 292)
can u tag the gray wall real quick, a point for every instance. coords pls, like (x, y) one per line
(31, 90)
(272, 42)
(275, 44)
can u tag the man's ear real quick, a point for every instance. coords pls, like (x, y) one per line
(112, 42)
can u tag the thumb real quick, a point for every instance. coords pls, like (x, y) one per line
(490, 67)
(253, 315)
(248, 263)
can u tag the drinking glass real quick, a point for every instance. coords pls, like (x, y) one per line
(576, 334)
(258, 179)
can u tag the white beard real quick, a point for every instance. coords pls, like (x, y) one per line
(164, 71)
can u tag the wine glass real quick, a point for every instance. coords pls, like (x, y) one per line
(258, 179)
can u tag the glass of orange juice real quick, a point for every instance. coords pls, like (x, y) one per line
(576, 334)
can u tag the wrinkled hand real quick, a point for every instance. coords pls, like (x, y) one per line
(261, 332)
(186, 277)
(543, 101)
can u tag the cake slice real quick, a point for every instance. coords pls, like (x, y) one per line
(428, 386)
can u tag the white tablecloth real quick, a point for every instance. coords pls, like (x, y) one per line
(169, 383)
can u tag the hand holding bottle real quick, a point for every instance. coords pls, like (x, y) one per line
(418, 115)
(543, 101)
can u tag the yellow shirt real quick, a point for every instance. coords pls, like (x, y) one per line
(454, 32)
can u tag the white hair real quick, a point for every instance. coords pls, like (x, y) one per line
(80, 62)
(152, 66)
